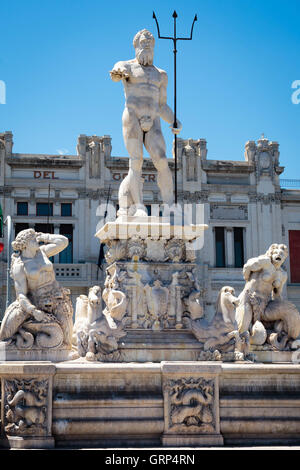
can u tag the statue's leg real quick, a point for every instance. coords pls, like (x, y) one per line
(155, 145)
(130, 191)
(244, 316)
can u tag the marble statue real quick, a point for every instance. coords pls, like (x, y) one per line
(41, 315)
(261, 311)
(145, 89)
(220, 338)
(97, 332)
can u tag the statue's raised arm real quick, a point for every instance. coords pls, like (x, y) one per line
(52, 243)
(119, 72)
(254, 265)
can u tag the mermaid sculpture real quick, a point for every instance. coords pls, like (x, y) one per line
(41, 315)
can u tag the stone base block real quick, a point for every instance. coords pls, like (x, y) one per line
(7, 353)
(183, 404)
(192, 440)
(157, 346)
(273, 357)
(15, 442)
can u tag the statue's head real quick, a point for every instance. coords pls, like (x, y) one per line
(143, 42)
(226, 305)
(24, 239)
(278, 254)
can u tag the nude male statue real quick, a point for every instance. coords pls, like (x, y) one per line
(145, 89)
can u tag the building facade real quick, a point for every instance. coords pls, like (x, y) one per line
(245, 206)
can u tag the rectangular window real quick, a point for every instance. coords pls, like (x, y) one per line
(238, 247)
(294, 242)
(66, 256)
(66, 209)
(22, 208)
(44, 209)
(220, 247)
(20, 227)
(44, 228)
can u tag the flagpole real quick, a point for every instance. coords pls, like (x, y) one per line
(175, 102)
(101, 251)
(48, 216)
(9, 240)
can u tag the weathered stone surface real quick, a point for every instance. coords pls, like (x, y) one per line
(98, 404)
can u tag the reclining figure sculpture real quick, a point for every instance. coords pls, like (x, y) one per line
(262, 311)
(41, 315)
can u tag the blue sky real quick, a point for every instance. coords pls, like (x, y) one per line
(234, 78)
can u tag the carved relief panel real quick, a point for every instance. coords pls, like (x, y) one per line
(27, 407)
(158, 296)
(191, 404)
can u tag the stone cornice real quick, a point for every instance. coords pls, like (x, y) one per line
(291, 195)
(226, 188)
(38, 161)
(265, 198)
(223, 166)
(121, 163)
(92, 194)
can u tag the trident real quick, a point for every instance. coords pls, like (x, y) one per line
(175, 39)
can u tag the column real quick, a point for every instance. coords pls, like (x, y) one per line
(229, 247)
(56, 231)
